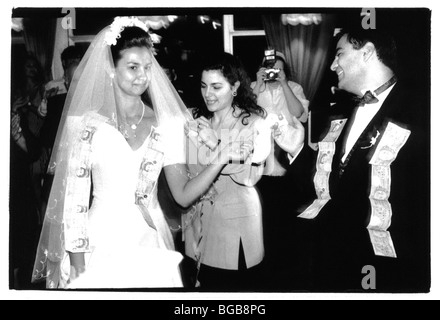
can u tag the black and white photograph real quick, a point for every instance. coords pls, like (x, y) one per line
(226, 152)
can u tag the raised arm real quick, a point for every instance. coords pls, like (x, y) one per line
(245, 173)
(294, 105)
(185, 190)
(256, 86)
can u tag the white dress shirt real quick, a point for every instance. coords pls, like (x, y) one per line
(363, 117)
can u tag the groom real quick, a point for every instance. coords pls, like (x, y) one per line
(369, 221)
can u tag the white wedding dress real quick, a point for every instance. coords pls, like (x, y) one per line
(126, 251)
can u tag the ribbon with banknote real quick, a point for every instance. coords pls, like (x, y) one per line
(393, 139)
(327, 148)
(149, 172)
(78, 185)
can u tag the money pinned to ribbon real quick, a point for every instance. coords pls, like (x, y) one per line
(327, 149)
(382, 243)
(386, 152)
(148, 176)
(389, 146)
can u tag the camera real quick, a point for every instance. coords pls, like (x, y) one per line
(269, 62)
(271, 74)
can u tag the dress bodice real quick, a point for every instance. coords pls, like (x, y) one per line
(115, 166)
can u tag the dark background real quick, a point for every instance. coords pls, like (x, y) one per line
(410, 26)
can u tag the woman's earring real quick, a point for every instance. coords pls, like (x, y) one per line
(234, 93)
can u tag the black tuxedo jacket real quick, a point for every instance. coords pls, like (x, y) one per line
(341, 246)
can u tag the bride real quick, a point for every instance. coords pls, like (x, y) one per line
(122, 123)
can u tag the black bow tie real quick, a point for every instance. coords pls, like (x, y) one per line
(370, 97)
(367, 99)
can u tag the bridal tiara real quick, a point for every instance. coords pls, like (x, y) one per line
(120, 23)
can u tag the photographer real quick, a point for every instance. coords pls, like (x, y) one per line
(277, 94)
(275, 90)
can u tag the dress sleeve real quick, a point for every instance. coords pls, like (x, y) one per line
(247, 173)
(77, 195)
(174, 144)
(299, 94)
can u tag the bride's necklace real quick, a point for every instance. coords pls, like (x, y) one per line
(132, 126)
(135, 125)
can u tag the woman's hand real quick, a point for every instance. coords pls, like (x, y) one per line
(207, 135)
(237, 151)
(282, 77)
(50, 92)
(19, 103)
(289, 137)
(261, 75)
(42, 108)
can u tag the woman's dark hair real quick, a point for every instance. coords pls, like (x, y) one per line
(132, 37)
(233, 70)
(384, 43)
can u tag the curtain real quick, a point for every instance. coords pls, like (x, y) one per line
(306, 48)
(61, 42)
(39, 38)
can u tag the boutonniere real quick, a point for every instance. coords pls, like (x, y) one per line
(373, 140)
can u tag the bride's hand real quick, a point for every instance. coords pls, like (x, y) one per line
(191, 128)
(77, 265)
(75, 272)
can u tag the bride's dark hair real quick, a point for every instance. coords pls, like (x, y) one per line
(233, 70)
(130, 37)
